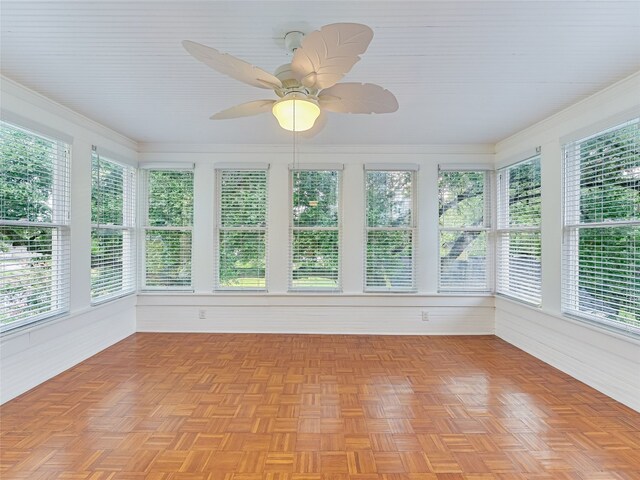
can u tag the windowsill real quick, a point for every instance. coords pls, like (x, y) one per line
(165, 290)
(310, 293)
(315, 300)
(110, 298)
(537, 306)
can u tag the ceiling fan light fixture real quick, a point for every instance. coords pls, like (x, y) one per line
(308, 85)
(296, 112)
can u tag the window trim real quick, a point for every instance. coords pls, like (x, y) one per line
(218, 228)
(571, 224)
(128, 227)
(60, 226)
(143, 215)
(488, 197)
(413, 228)
(338, 168)
(503, 231)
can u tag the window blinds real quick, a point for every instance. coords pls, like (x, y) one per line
(242, 230)
(601, 255)
(390, 231)
(167, 227)
(315, 230)
(518, 234)
(112, 229)
(34, 227)
(465, 223)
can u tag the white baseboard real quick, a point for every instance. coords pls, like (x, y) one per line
(607, 362)
(34, 355)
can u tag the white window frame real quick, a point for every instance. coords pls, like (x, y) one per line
(572, 225)
(503, 232)
(128, 229)
(60, 289)
(486, 228)
(412, 229)
(145, 171)
(219, 228)
(320, 168)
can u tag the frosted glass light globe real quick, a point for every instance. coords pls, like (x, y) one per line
(296, 113)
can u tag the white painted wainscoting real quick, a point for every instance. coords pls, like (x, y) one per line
(608, 362)
(344, 314)
(33, 355)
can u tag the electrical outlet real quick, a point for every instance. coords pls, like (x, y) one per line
(202, 314)
(425, 316)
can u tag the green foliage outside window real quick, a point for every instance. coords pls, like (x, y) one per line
(107, 199)
(315, 236)
(389, 216)
(168, 250)
(525, 201)
(463, 252)
(29, 252)
(461, 196)
(608, 260)
(608, 272)
(170, 198)
(242, 259)
(389, 198)
(315, 198)
(113, 228)
(242, 236)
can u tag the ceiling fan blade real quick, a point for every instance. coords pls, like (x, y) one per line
(318, 126)
(327, 55)
(232, 66)
(245, 110)
(357, 98)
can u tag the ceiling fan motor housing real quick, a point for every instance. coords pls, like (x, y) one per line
(290, 83)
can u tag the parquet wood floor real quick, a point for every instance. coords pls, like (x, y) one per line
(311, 407)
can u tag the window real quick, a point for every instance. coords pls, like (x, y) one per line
(242, 229)
(602, 227)
(112, 229)
(518, 241)
(167, 229)
(34, 227)
(464, 230)
(315, 230)
(390, 230)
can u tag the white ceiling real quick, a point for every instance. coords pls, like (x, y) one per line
(463, 72)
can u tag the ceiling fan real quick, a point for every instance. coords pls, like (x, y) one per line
(307, 86)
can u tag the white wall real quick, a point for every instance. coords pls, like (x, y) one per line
(605, 360)
(299, 313)
(31, 355)
(351, 311)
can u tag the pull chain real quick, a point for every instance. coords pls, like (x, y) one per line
(295, 136)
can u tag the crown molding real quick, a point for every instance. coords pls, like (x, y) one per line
(38, 100)
(628, 85)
